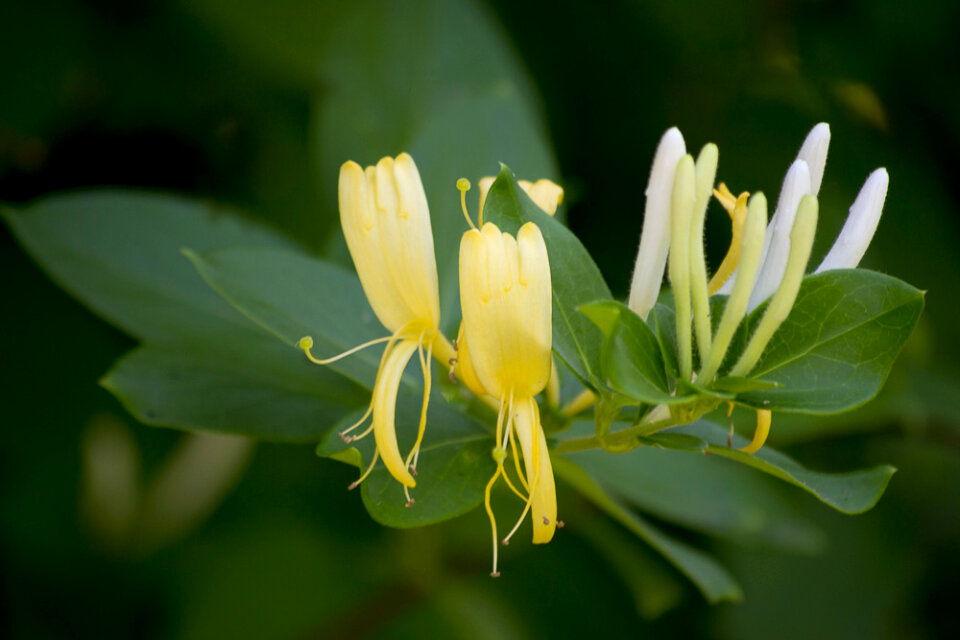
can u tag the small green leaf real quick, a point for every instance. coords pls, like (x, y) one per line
(835, 349)
(257, 388)
(631, 361)
(575, 277)
(118, 252)
(715, 583)
(292, 295)
(850, 492)
(453, 468)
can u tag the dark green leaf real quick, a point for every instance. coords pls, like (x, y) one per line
(253, 387)
(713, 580)
(119, 253)
(702, 493)
(836, 347)
(575, 277)
(631, 361)
(850, 492)
(292, 295)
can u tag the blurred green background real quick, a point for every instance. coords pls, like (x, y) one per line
(255, 105)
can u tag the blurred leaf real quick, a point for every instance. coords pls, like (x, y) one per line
(836, 347)
(436, 78)
(293, 295)
(850, 492)
(453, 467)
(255, 387)
(702, 493)
(119, 253)
(575, 277)
(713, 580)
(631, 361)
(654, 588)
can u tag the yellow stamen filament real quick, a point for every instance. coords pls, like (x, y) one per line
(516, 462)
(764, 417)
(373, 462)
(366, 414)
(425, 367)
(306, 344)
(463, 185)
(493, 519)
(738, 216)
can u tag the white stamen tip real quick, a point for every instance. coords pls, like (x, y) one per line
(814, 153)
(860, 226)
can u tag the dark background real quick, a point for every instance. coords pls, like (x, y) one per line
(180, 96)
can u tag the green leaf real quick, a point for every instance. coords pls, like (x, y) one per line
(252, 387)
(702, 493)
(453, 468)
(292, 295)
(713, 580)
(575, 277)
(850, 492)
(835, 349)
(631, 361)
(118, 252)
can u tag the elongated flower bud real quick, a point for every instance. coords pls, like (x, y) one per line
(776, 246)
(736, 307)
(801, 242)
(860, 226)
(655, 238)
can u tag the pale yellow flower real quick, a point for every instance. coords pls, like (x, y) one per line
(386, 222)
(505, 297)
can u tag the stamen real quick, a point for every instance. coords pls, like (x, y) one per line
(406, 493)
(306, 343)
(516, 463)
(764, 417)
(425, 367)
(356, 483)
(493, 519)
(343, 434)
(463, 185)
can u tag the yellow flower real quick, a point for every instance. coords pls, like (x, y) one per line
(386, 222)
(505, 297)
(547, 195)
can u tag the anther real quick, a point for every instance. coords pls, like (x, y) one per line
(353, 485)
(409, 503)
(505, 542)
(455, 347)
(546, 521)
(413, 471)
(345, 437)
(494, 574)
(560, 524)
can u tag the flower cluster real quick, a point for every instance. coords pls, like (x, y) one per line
(503, 350)
(764, 261)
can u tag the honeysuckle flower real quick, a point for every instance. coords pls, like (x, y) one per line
(861, 224)
(505, 298)
(386, 223)
(547, 195)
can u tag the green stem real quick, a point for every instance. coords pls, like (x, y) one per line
(617, 439)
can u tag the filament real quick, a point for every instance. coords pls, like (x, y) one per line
(356, 483)
(464, 185)
(306, 343)
(493, 519)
